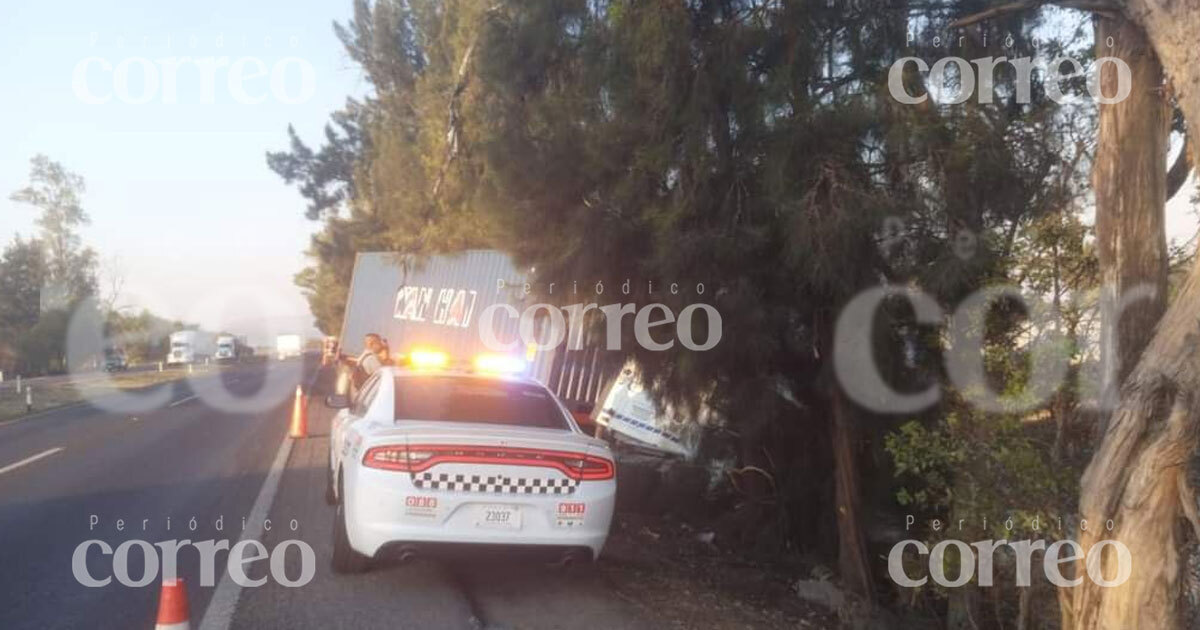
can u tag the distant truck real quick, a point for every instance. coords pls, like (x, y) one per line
(288, 347)
(190, 346)
(231, 349)
(114, 360)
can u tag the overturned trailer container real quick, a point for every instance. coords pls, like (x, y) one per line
(442, 303)
(468, 304)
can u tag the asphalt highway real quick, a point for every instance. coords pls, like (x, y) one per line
(85, 474)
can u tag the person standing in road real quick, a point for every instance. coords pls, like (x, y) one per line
(368, 362)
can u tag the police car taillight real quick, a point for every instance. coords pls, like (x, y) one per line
(592, 468)
(394, 458)
(418, 458)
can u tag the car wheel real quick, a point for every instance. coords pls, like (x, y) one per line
(345, 558)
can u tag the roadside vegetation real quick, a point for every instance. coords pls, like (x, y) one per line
(752, 146)
(47, 278)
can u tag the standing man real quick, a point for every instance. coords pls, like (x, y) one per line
(369, 359)
(368, 362)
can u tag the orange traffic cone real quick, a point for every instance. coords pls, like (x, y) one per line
(173, 606)
(299, 416)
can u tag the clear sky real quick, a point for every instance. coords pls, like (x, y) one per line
(182, 203)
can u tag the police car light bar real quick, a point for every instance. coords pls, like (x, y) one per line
(427, 359)
(499, 364)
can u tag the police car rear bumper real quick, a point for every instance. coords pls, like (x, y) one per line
(387, 508)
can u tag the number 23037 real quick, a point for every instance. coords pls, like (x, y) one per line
(499, 516)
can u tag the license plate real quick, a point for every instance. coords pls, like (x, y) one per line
(499, 517)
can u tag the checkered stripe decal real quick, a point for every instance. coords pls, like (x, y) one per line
(495, 483)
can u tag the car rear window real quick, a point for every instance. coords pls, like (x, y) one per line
(476, 400)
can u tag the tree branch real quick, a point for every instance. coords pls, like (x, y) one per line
(453, 124)
(1104, 7)
(997, 11)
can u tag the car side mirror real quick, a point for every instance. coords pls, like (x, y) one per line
(337, 401)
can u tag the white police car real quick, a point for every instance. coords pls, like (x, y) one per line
(425, 455)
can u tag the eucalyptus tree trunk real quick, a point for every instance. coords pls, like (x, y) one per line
(1138, 477)
(1129, 180)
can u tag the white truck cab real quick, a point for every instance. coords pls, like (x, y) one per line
(189, 346)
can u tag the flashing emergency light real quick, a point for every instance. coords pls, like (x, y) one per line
(427, 359)
(499, 364)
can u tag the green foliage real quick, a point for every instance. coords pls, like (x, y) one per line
(70, 268)
(929, 455)
(44, 281)
(388, 177)
(22, 271)
(32, 336)
(976, 466)
(44, 346)
(143, 336)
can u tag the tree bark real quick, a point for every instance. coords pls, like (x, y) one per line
(1024, 607)
(853, 563)
(1138, 476)
(1129, 180)
(1172, 26)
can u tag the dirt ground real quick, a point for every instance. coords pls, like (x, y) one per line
(678, 579)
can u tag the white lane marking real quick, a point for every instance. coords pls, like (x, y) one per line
(29, 460)
(182, 400)
(223, 604)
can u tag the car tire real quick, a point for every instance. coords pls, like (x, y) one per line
(345, 559)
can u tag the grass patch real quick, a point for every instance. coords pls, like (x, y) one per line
(55, 393)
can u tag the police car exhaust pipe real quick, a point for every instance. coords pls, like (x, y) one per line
(407, 554)
(568, 560)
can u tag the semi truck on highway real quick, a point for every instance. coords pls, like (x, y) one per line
(190, 346)
(115, 360)
(288, 346)
(231, 348)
